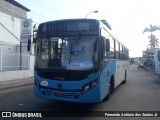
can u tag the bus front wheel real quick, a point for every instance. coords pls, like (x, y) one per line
(125, 78)
(111, 89)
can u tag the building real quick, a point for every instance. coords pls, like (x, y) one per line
(15, 62)
(13, 8)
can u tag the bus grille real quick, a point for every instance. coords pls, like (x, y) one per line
(64, 74)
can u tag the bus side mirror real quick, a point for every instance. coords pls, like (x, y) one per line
(29, 45)
(107, 45)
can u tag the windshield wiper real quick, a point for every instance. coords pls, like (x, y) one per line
(72, 50)
(76, 44)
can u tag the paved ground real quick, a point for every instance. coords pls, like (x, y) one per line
(140, 93)
(16, 83)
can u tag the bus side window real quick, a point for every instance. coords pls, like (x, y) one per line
(112, 50)
(117, 49)
(104, 52)
(103, 47)
(120, 51)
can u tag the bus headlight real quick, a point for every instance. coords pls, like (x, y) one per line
(86, 88)
(90, 86)
(94, 83)
(37, 83)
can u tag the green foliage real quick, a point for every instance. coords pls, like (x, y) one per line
(153, 41)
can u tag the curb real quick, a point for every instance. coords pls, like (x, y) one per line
(16, 83)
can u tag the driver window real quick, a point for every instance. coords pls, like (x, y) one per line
(45, 48)
(104, 52)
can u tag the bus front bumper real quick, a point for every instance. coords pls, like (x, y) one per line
(91, 96)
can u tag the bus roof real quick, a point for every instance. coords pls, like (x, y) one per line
(81, 19)
(68, 20)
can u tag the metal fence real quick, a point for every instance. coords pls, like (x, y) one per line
(13, 57)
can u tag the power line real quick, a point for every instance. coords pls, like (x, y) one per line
(32, 3)
(39, 14)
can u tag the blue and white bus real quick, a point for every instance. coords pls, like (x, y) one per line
(78, 60)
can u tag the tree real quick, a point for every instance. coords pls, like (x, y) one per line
(153, 40)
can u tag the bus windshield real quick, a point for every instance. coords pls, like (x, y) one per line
(67, 53)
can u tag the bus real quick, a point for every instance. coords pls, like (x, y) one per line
(78, 60)
(157, 61)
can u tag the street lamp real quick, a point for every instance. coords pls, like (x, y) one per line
(96, 11)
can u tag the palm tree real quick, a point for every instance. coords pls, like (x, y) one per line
(153, 40)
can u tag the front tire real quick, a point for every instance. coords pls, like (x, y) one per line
(111, 89)
(125, 78)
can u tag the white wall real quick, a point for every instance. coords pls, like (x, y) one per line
(12, 75)
(10, 34)
(11, 9)
(13, 24)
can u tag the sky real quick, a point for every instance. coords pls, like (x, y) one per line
(128, 18)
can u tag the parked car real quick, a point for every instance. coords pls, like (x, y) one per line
(141, 65)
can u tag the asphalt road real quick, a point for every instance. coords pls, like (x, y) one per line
(140, 93)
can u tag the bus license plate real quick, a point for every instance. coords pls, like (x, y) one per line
(59, 94)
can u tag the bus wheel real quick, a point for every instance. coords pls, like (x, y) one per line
(111, 88)
(125, 78)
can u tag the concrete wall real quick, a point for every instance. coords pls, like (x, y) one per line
(12, 75)
(9, 29)
(12, 10)
(10, 26)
